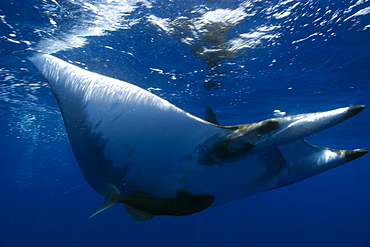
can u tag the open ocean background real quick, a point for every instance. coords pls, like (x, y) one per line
(248, 60)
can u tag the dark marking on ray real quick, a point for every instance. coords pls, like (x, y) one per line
(223, 148)
(269, 125)
(88, 145)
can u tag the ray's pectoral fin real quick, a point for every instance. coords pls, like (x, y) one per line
(304, 160)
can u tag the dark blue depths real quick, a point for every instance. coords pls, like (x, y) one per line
(298, 57)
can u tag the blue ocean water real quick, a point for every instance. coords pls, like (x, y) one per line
(248, 60)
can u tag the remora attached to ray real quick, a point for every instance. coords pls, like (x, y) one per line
(142, 144)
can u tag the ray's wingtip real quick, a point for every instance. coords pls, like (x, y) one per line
(357, 153)
(354, 110)
(36, 56)
(39, 60)
(33, 58)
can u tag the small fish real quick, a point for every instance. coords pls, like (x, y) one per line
(142, 206)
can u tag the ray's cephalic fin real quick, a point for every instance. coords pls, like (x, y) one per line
(305, 160)
(243, 139)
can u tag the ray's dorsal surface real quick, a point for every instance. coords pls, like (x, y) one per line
(161, 160)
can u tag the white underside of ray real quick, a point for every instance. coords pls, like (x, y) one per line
(115, 126)
(160, 136)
